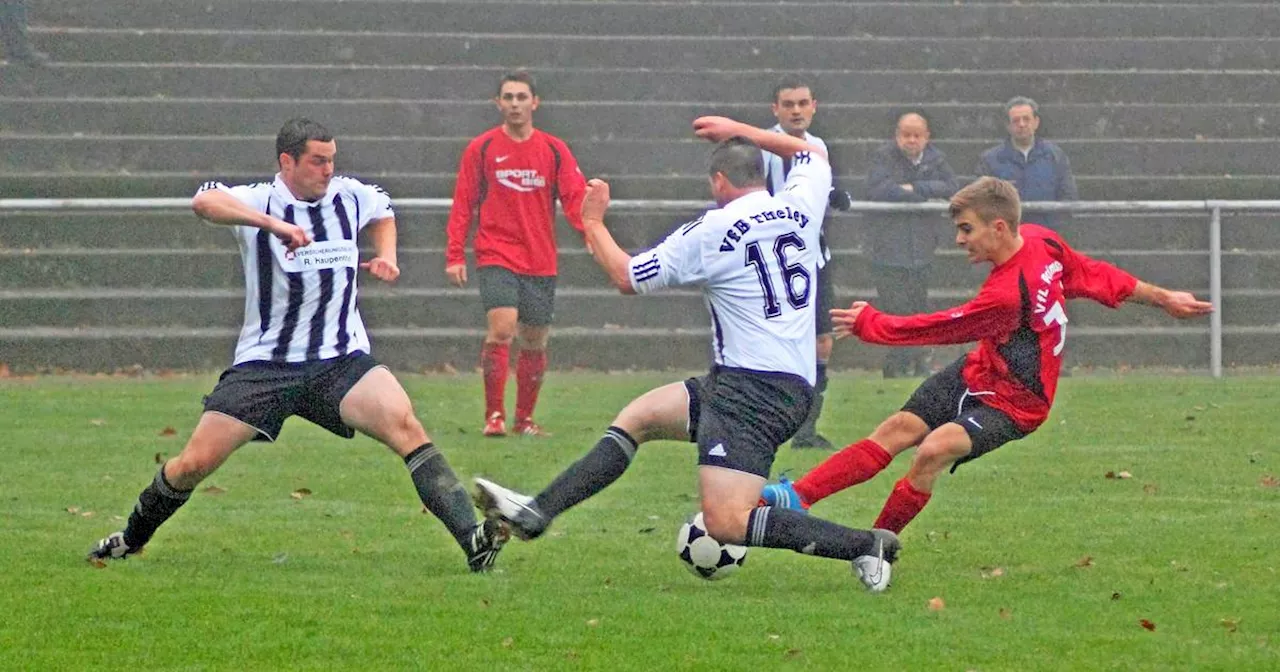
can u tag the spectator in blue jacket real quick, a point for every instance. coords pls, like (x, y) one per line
(1038, 168)
(907, 170)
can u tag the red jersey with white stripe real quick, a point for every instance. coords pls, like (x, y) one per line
(512, 187)
(1018, 319)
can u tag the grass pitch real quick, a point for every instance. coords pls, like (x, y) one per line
(1030, 558)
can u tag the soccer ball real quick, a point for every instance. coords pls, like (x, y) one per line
(705, 557)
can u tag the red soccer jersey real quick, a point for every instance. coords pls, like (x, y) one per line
(1018, 319)
(514, 187)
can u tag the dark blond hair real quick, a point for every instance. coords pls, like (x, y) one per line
(991, 198)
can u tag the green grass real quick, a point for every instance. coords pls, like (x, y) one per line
(356, 577)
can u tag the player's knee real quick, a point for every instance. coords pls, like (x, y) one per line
(501, 335)
(724, 523)
(900, 432)
(938, 454)
(532, 338)
(406, 427)
(189, 468)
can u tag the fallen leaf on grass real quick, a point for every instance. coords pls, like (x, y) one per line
(1118, 475)
(1147, 624)
(1115, 596)
(647, 530)
(86, 514)
(1269, 481)
(1005, 613)
(168, 431)
(1151, 488)
(508, 642)
(1086, 561)
(280, 558)
(300, 493)
(937, 604)
(73, 510)
(213, 490)
(1124, 474)
(98, 422)
(792, 653)
(98, 563)
(992, 572)
(160, 458)
(774, 638)
(1231, 624)
(591, 623)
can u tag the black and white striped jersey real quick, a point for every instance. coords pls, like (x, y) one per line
(301, 306)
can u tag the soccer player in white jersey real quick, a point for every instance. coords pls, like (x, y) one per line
(794, 106)
(303, 349)
(754, 256)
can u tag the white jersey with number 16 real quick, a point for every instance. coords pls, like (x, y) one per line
(756, 260)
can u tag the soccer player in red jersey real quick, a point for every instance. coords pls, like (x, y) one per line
(509, 179)
(1002, 390)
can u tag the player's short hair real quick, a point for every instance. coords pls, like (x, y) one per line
(991, 198)
(740, 161)
(522, 76)
(296, 133)
(792, 82)
(1017, 101)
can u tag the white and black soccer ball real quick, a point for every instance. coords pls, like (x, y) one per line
(705, 557)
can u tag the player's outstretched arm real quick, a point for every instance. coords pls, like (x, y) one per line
(613, 259)
(383, 265)
(219, 207)
(1181, 305)
(719, 129)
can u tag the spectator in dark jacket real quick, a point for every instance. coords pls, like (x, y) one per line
(907, 170)
(1038, 168)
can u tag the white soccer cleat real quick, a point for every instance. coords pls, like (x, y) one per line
(875, 569)
(518, 511)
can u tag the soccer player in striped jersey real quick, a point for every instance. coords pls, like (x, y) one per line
(303, 349)
(1002, 390)
(754, 256)
(509, 179)
(794, 106)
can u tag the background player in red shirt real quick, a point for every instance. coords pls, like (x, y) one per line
(509, 179)
(1002, 390)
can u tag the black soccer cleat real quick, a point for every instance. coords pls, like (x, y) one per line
(518, 512)
(483, 545)
(111, 548)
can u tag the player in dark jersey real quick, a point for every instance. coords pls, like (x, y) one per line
(997, 393)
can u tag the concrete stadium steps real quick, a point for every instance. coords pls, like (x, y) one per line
(424, 268)
(461, 308)
(33, 349)
(1089, 19)
(580, 121)
(114, 184)
(191, 80)
(633, 230)
(780, 52)
(363, 155)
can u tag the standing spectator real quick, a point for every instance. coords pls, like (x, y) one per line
(1038, 168)
(13, 34)
(907, 170)
(794, 106)
(509, 179)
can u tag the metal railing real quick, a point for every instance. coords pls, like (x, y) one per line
(1213, 208)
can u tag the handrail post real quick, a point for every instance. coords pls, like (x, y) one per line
(1215, 292)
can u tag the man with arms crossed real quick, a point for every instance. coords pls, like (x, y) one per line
(509, 179)
(303, 349)
(754, 257)
(1002, 390)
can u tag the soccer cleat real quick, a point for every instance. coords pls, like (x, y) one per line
(875, 568)
(519, 512)
(527, 427)
(782, 494)
(813, 442)
(111, 548)
(496, 425)
(486, 540)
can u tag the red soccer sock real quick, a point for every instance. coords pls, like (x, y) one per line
(856, 463)
(494, 362)
(530, 366)
(902, 506)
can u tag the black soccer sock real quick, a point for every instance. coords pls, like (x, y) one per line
(592, 473)
(774, 527)
(155, 505)
(441, 492)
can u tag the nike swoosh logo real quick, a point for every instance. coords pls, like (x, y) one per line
(500, 159)
(975, 422)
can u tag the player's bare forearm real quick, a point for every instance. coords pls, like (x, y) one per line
(1181, 305)
(382, 234)
(219, 207)
(718, 129)
(605, 250)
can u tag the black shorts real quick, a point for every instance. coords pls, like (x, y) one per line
(943, 397)
(533, 296)
(738, 417)
(263, 394)
(826, 301)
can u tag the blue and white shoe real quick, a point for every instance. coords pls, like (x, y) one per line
(783, 494)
